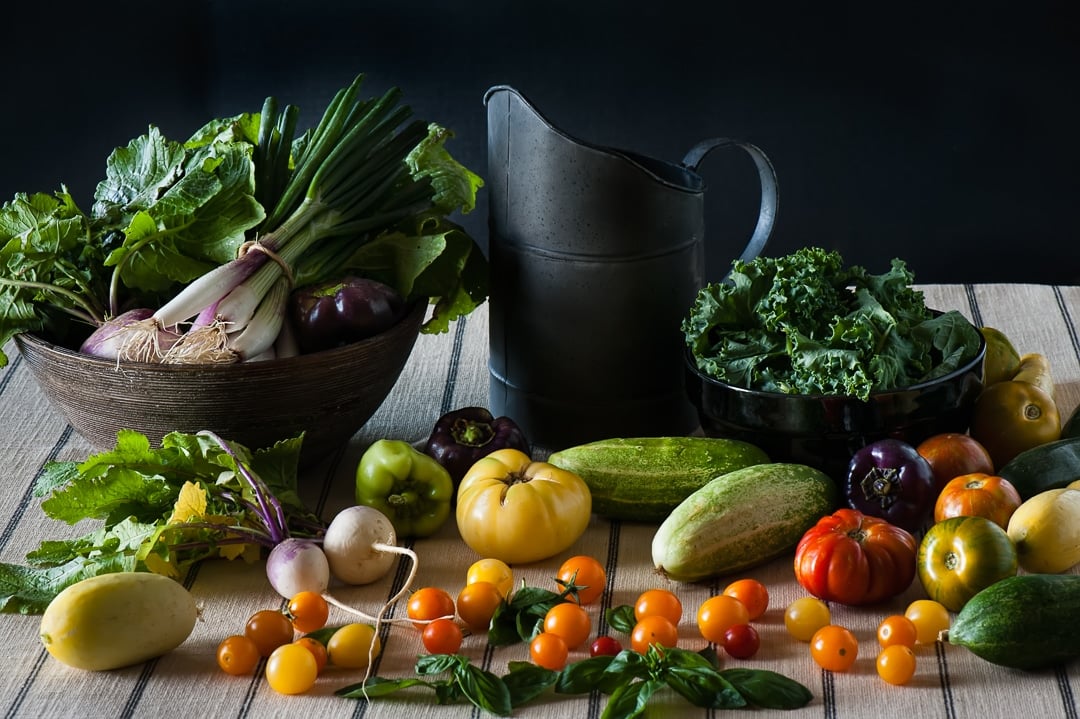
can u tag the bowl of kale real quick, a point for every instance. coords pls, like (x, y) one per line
(811, 359)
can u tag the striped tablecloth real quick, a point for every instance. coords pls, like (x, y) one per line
(446, 372)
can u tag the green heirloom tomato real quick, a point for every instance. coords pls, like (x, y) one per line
(960, 556)
(409, 487)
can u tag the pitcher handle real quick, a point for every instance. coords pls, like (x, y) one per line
(769, 193)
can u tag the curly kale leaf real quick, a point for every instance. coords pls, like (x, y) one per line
(806, 324)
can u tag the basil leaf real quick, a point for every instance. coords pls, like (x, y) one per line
(437, 663)
(584, 676)
(526, 681)
(484, 689)
(768, 689)
(686, 659)
(621, 618)
(630, 699)
(704, 688)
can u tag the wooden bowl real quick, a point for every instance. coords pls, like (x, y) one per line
(327, 395)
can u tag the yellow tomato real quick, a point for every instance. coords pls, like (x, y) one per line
(517, 510)
(1010, 417)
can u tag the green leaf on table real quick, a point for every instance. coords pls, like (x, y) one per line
(484, 689)
(621, 618)
(526, 681)
(631, 699)
(29, 590)
(767, 689)
(703, 687)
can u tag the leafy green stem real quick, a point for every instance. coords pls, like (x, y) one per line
(88, 313)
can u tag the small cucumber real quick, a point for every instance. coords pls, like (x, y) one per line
(1071, 428)
(1049, 466)
(742, 519)
(1023, 622)
(643, 479)
(114, 620)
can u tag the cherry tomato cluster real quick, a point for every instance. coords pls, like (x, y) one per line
(726, 619)
(293, 663)
(835, 648)
(568, 625)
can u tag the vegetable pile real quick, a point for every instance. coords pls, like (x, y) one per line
(191, 249)
(805, 324)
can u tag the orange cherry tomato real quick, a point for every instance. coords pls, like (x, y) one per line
(476, 604)
(834, 648)
(896, 664)
(586, 573)
(658, 602)
(317, 649)
(427, 604)
(549, 651)
(718, 614)
(571, 622)
(653, 629)
(237, 655)
(978, 495)
(308, 611)
(897, 629)
(269, 629)
(753, 594)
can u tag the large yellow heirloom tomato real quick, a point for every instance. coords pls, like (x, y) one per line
(517, 510)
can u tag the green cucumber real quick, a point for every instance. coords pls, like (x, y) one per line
(1071, 428)
(643, 479)
(1023, 622)
(1049, 466)
(742, 519)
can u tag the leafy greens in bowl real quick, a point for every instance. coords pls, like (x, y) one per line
(806, 324)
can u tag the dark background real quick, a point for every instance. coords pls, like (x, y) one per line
(945, 134)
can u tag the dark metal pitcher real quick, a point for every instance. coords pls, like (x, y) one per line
(596, 256)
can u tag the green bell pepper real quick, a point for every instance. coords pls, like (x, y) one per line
(413, 490)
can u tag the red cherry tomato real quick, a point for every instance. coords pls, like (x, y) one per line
(605, 646)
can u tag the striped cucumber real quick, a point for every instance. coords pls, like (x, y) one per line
(643, 479)
(742, 519)
(1023, 622)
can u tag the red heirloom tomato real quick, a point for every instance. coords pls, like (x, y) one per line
(951, 454)
(978, 495)
(853, 558)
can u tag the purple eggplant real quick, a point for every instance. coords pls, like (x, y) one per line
(465, 435)
(891, 480)
(333, 314)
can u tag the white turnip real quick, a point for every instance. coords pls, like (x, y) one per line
(297, 565)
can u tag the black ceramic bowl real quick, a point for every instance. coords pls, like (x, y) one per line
(823, 431)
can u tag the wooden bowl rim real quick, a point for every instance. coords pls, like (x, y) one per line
(408, 324)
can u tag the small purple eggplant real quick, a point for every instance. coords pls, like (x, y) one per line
(333, 314)
(889, 479)
(465, 435)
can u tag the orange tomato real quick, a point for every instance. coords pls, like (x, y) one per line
(571, 622)
(653, 629)
(718, 614)
(476, 604)
(753, 594)
(952, 454)
(585, 572)
(658, 602)
(978, 495)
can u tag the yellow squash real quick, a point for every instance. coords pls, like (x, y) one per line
(1046, 531)
(115, 620)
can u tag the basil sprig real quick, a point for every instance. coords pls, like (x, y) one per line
(628, 678)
